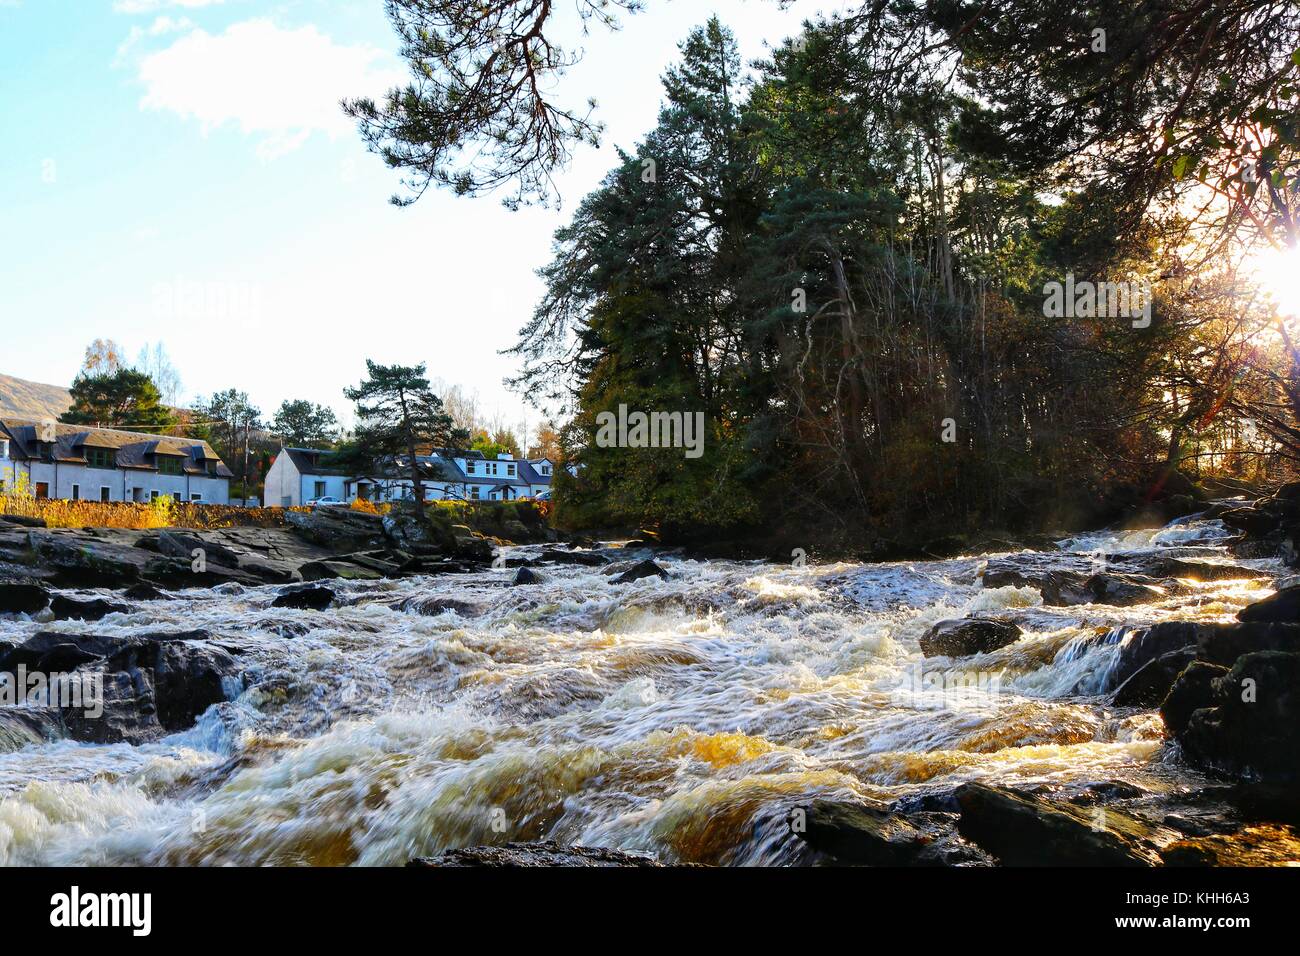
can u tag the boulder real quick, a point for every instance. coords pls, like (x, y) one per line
(339, 529)
(23, 598)
(1146, 644)
(1150, 683)
(1282, 607)
(642, 569)
(585, 558)
(144, 592)
(324, 570)
(315, 598)
(548, 854)
(1249, 729)
(862, 833)
(182, 544)
(526, 576)
(965, 636)
(1022, 830)
(1251, 521)
(69, 609)
(23, 521)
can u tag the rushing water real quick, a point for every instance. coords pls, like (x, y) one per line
(681, 717)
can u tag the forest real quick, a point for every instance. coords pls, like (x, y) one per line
(850, 257)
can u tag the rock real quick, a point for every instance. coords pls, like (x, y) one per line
(1150, 683)
(1193, 690)
(181, 544)
(179, 573)
(1250, 521)
(1121, 590)
(68, 609)
(1146, 644)
(339, 529)
(23, 521)
(861, 833)
(473, 548)
(440, 605)
(1282, 607)
(408, 530)
(83, 562)
(1224, 643)
(152, 683)
(23, 598)
(144, 592)
(972, 635)
(324, 570)
(585, 558)
(642, 569)
(1029, 831)
(1249, 730)
(315, 598)
(526, 576)
(23, 726)
(535, 855)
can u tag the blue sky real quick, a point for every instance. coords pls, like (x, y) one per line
(178, 171)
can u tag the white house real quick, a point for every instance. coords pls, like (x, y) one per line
(79, 462)
(297, 477)
(456, 474)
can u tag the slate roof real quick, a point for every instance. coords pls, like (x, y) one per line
(307, 461)
(132, 450)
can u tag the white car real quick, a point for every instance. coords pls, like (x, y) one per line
(327, 502)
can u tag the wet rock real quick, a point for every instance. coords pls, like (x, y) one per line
(144, 592)
(79, 561)
(642, 569)
(1224, 643)
(585, 558)
(1251, 521)
(433, 606)
(23, 726)
(1264, 845)
(1282, 607)
(965, 636)
(180, 573)
(69, 609)
(1193, 690)
(511, 855)
(1118, 590)
(152, 683)
(23, 598)
(1029, 831)
(862, 833)
(325, 570)
(308, 598)
(1146, 644)
(1249, 728)
(526, 576)
(409, 530)
(1150, 683)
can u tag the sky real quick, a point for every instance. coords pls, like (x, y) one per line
(179, 171)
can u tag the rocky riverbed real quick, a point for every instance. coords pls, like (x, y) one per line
(354, 690)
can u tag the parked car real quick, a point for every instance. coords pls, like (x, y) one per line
(327, 502)
(544, 496)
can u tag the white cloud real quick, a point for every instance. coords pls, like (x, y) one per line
(148, 6)
(276, 84)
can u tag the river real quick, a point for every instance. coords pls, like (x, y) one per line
(682, 718)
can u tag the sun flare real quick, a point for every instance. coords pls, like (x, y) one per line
(1278, 271)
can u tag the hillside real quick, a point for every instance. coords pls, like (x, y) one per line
(20, 397)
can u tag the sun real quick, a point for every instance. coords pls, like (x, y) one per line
(1278, 271)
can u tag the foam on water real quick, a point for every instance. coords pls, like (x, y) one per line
(680, 717)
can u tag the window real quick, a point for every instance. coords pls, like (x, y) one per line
(473, 492)
(176, 497)
(492, 467)
(510, 471)
(76, 492)
(212, 467)
(100, 458)
(42, 489)
(104, 493)
(471, 467)
(153, 494)
(196, 497)
(167, 466)
(320, 489)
